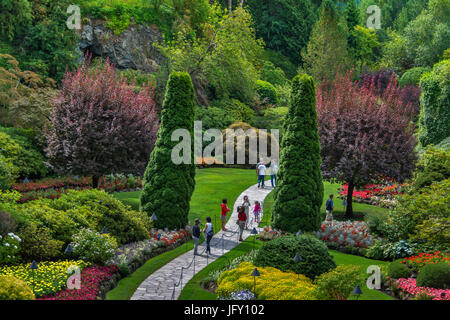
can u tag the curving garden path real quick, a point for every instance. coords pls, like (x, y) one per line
(160, 284)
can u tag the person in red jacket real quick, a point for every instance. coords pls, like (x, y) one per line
(242, 220)
(223, 213)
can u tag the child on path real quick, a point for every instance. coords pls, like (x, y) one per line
(246, 204)
(256, 211)
(223, 213)
(242, 219)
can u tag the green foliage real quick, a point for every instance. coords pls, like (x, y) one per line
(434, 276)
(15, 16)
(435, 104)
(366, 46)
(444, 144)
(236, 110)
(299, 194)
(168, 187)
(38, 244)
(423, 40)
(7, 223)
(92, 246)
(12, 288)
(327, 47)
(271, 73)
(22, 152)
(280, 252)
(423, 216)
(8, 173)
(412, 76)
(213, 117)
(284, 25)
(266, 92)
(97, 209)
(219, 64)
(338, 283)
(433, 166)
(398, 270)
(280, 61)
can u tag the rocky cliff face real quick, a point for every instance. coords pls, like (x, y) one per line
(134, 48)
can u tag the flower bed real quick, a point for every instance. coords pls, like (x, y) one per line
(410, 287)
(422, 259)
(341, 234)
(375, 194)
(169, 238)
(49, 278)
(269, 234)
(52, 188)
(92, 281)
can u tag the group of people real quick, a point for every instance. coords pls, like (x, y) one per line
(261, 170)
(242, 222)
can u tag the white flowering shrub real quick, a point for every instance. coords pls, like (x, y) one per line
(9, 248)
(91, 246)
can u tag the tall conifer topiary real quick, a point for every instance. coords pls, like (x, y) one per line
(168, 186)
(299, 194)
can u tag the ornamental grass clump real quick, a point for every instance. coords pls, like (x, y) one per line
(338, 283)
(272, 284)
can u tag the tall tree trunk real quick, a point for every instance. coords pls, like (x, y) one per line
(230, 3)
(349, 209)
(242, 3)
(95, 181)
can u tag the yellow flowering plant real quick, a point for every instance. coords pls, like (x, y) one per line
(48, 278)
(272, 284)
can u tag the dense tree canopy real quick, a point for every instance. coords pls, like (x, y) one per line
(99, 125)
(362, 137)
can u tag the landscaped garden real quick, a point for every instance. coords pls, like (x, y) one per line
(133, 132)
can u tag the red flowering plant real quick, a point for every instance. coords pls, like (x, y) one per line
(92, 279)
(418, 261)
(409, 287)
(170, 238)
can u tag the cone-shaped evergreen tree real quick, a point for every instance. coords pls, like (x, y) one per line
(299, 194)
(168, 187)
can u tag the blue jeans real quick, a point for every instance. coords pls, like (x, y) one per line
(273, 180)
(260, 180)
(208, 240)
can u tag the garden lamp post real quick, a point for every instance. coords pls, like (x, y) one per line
(104, 230)
(69, 249)
(297, 259)
(357, 291)
(153, 217)
(299, 232)
(255, 274)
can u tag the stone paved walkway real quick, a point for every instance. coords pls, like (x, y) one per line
(160, 284)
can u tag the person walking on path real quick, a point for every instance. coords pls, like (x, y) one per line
(261, 174)
(256, 211)
(242, 219)
(246, 204)
(273, 172)
(223, 213)
(329, 206)
(196, 235)
(209, 232)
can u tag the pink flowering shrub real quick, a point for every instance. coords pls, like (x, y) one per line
(409, 286)
(91, 280)
(346, 233)
(168, 238)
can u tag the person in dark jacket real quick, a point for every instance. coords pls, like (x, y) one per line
(196, 235)
(329, 206)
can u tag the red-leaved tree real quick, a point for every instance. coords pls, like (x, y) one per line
(364, 137)
(101, 125)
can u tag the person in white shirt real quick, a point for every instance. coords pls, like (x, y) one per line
(273, 172)
(261, 175)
